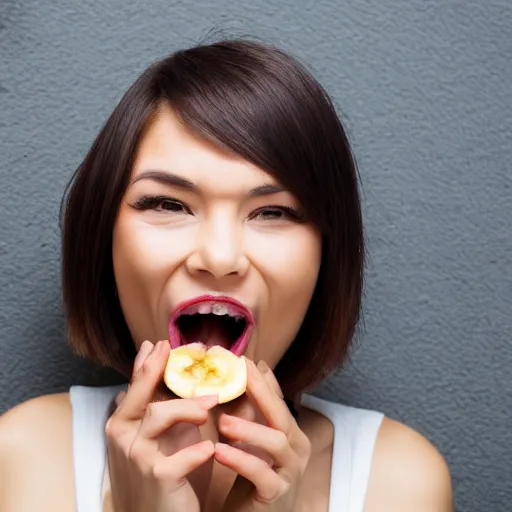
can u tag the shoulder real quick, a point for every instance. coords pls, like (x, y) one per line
(47, 410)
(35, 426)
(36, 454)
(408, 473)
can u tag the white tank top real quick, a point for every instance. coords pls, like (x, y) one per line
(355, 433)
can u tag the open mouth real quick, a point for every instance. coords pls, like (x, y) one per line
(212, 321)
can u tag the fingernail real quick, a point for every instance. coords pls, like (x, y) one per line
(221, 447)
(227, 419)
(208, 446)
(143, 346)
(262, 366)
(209, 401)
(141, 352)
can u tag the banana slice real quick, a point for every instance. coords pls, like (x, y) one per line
(196, 370)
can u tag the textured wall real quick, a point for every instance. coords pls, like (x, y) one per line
(425, 90)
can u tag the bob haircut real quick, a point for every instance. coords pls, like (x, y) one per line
(257, 102)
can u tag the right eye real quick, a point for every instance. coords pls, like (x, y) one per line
(160, 204)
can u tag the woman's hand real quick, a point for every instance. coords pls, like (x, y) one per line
(265, 483)
(156, 457)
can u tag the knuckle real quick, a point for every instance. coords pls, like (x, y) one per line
(158, 474)
(152, 410)
(284, 488)
(290, 474)
(306, 447)
(281, 443)
(113, 429)
(153, 416)
(137, 454)
(167, 476)
(273, 493)
(145, 370)
(261, 464)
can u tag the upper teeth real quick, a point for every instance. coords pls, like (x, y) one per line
(215, 308)
(204, 309)
(219, 309)
(212, 307)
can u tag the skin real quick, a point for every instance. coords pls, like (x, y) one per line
(218, 235)
(219, 238)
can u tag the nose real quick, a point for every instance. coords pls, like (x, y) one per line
(219, 250)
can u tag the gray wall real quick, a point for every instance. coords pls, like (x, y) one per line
(425, 90)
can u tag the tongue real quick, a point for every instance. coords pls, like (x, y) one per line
(210, 331)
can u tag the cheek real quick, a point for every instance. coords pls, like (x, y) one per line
(144, 256)
(296, 252)
(289, 266)
(134, 255)
(147, 250)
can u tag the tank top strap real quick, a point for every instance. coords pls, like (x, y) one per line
(90, 413)
(355, 434)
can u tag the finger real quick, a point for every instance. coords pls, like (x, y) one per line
(252, 449)
(272, 441)
(144, 351)
(145, 382)
(269, 485)
(119, 398)
(161, 416)
(271, 405)
(276, 411)
(270, 377)
(173, 469)
(244, 407)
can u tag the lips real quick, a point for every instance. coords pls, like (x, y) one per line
(206, 306)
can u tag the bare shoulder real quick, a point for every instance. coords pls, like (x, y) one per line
(46, 415)
(408, 473)
(36, 461)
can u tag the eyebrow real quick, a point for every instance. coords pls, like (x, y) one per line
(180, 182)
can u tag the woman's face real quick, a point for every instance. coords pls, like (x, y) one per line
(197, 221)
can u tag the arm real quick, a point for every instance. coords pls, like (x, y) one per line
(408, 473)
(36, 465)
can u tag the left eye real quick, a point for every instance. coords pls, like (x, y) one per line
(276, 213)
(171, 206)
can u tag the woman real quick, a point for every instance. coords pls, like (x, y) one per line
(223, 177)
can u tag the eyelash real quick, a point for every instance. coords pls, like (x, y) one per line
(155, 202)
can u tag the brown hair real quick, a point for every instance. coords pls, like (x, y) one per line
(261, 104)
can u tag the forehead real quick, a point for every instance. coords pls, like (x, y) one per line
(168, 145)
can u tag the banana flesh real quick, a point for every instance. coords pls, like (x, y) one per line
(195, 370)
